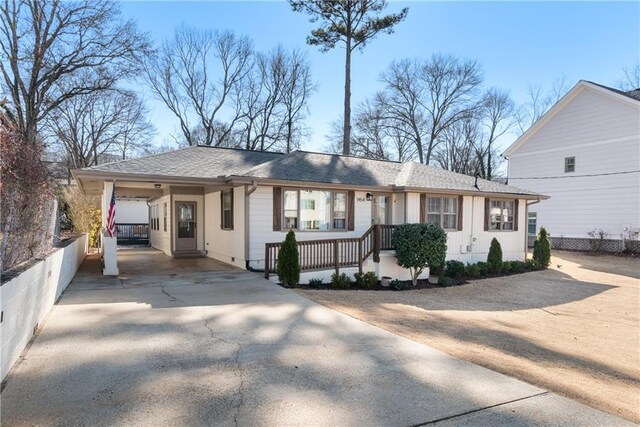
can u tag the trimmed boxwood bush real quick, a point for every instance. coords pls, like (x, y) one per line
(494, 259)
(483, 267)
(542, 249)
(506, 267)
(288, 266)
(340, 281)
(454, 268)
(472, 270)
(517, 266)
(315, 283)
(419, 246)
(366, 280)
(531, 264)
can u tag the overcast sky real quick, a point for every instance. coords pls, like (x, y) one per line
(518, 43)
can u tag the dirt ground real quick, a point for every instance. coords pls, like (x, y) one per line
(573, 329)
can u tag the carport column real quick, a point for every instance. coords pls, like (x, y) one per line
(109, 244)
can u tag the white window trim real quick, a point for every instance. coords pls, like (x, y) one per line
(442, 213)
(299, 208)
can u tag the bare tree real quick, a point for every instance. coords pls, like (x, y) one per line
(100, 126)
(45, 43)
(181, 76)
(458, 148)
(631, 79)
(402, 103)
(496, 111)
(352, 22)
(538, 102)
(298, 88)
(451, 88)
(425, 98)
(273, 101)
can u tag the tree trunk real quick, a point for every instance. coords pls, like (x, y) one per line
(346, 135)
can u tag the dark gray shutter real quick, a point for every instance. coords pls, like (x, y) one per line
(231, 213)
(277, 208)
(423, 208)
(351, 203)
(460, 205)
(486, 213)
(221, 209)
(516, 205)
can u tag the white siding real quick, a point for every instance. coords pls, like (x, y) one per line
(458, 242)
(161, 239)
(225, 245)
(512, 242)
(132, 211)
(603, 134)
(261, 224)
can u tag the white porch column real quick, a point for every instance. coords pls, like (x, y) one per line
(109, 244)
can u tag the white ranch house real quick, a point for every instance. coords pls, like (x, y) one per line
(236, 206)
(585, 154)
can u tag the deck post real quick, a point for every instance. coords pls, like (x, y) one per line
(336, 259)
(360, 255)
(267, 262)
(376, 243)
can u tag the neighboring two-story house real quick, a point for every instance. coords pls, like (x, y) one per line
(585, 154)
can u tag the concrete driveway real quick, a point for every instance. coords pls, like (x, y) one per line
(226, 347)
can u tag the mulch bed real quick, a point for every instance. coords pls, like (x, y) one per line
(407, 285)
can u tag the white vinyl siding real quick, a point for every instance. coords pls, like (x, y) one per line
(603, 134)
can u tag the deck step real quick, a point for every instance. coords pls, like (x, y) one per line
(189, 254)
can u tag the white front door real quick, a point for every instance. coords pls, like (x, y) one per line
(186, 226)
(381, 209)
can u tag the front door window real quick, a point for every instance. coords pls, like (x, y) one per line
(186, 226)
(381, 209)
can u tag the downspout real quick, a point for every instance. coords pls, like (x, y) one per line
(473, 202)
(248, 192)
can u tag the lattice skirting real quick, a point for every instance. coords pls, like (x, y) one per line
(586, 244)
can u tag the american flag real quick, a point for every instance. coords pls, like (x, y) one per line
(111, 216)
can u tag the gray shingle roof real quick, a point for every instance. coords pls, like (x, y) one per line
(302, 166)
(190, 162)
(336, 169)
(633, 94)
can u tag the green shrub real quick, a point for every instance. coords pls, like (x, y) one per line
(315, 283)
(542, 249)
(454, 268)
(483, 267)
(419, 246)
(531, 264)
(397, 285)
(366, 280)
(340, 281)
(517, 266)
(506, 267)
(472, 270)
(288, 266)
(494, 259)
(446, 281)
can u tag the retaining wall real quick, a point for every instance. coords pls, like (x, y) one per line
(26, 299)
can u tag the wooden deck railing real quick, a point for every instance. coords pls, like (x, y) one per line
(132, 233)
(335, 253)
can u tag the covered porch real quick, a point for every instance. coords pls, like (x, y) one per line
(179, 215)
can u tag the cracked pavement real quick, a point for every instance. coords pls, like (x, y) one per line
(229, 348)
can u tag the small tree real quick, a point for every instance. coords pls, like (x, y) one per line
(288, 267)
(494, 259)
(85, 214)
(419, 246)
(542, 249)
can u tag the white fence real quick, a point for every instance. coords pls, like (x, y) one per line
(26, 299)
